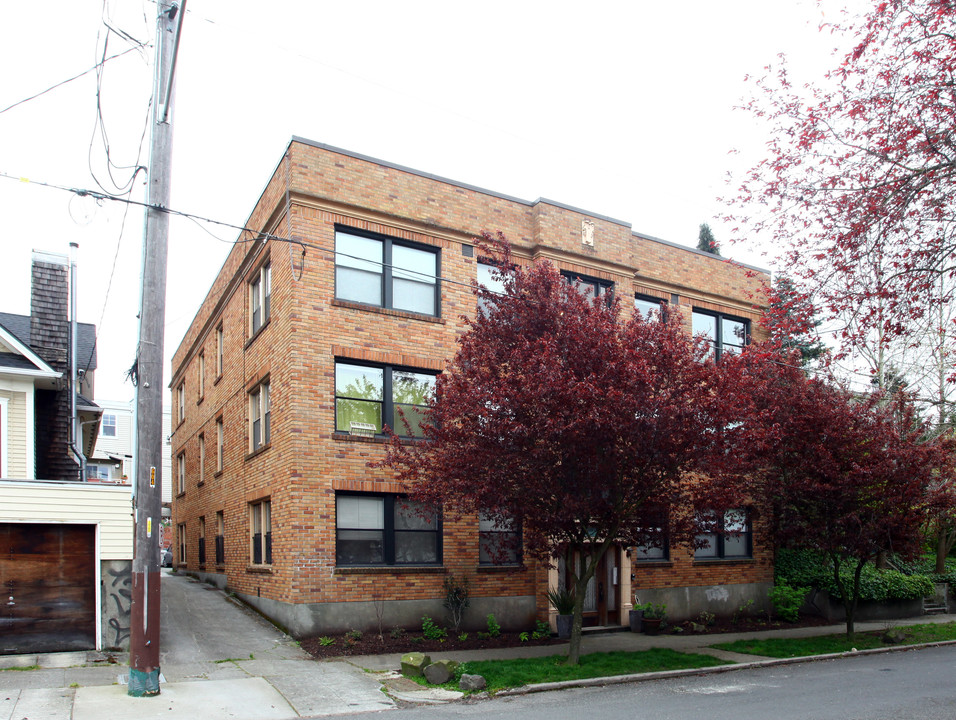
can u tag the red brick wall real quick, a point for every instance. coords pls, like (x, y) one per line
(306, 461)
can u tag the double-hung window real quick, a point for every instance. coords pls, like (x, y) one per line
(220, 440)
(181, 536)
(220, 539)
(220, 343)
(181, 473)
(259, 416)
(202, 540)
(726, 334)
(181, 400)
(380, 271)
(385, 530)
(590, 287)
(656, 547)
(725, 536)
(499, 543)
(202, 458)
(260, 527)
(650, 308)
(108, 428)
(260, 297)
(380, 395)
(489, 277)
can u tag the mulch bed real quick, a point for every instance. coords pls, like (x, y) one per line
(371, 644)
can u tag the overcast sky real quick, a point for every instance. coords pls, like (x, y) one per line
(624, 109)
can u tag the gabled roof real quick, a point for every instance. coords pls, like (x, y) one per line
(19, 326)
(18, 359)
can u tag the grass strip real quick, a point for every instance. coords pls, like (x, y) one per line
(825, 644)
(501, 674)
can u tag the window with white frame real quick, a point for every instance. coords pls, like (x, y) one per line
(259, 417)
(385, 272)
(260, 532)
(108, 425)
(220, 441)
(726, 536)
(384, 529)
(260, 297)
(380, 395)
(725, 333)
(181, 473)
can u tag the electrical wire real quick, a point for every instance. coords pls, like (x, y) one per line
(262, 236)
(69, 80)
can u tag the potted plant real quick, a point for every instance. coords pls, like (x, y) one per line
(653, 617)
(562, 599)
(636, 616)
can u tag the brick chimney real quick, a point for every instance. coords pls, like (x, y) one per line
(50, 339)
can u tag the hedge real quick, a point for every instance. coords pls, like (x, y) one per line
(807, 568)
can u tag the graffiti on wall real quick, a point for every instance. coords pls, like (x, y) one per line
(119, 591)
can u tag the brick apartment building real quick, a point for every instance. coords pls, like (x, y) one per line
(300, 352)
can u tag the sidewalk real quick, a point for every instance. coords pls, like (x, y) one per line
(221, 660)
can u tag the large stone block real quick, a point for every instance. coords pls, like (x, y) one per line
(414, 663)
(472, 682)
(440, 671)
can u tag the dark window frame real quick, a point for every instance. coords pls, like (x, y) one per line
(660, 303)
(387, 279)
(260, 551)
(391, 500)
(720, 537)
(492, 559)
(717, 343)
(599, 287)
(389, 416)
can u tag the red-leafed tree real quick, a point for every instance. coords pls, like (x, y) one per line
(859, 187)
(559, 419)
(848, 477)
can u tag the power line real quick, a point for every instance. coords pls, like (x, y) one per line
(69, 80)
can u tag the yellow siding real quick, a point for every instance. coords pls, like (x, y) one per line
(16, 434)
(110, 507)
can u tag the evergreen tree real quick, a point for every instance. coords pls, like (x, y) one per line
(706, 241)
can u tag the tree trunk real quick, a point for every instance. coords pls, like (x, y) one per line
(585, 571)
(945, 535)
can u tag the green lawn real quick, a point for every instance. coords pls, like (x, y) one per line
(501, 674)
(824, 644)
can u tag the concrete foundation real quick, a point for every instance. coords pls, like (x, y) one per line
(821, 603)
(686, 603)
(310, 619)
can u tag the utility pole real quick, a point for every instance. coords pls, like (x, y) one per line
(147, 498)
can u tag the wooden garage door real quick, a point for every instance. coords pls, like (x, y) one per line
(48, 589)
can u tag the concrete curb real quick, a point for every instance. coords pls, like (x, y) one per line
(666, 674)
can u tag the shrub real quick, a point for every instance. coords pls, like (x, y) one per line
(787, 600)
(562, 599)
(803, 568)
(431, 631)
(353, 635)
(494, 629)
(456, 599)
(524, 637)
(541, 630)
(397, 633)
